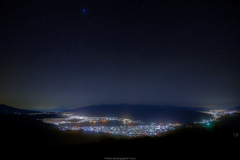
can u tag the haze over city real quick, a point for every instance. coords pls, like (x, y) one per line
(73, 54)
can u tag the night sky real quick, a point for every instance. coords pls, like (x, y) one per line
(81, 53)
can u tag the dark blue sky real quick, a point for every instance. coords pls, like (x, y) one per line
(80, 53)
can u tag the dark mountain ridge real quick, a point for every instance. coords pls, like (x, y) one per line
(234, 109)
(11, 110)
(144, 113)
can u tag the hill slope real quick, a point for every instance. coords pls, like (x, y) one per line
(11, 110)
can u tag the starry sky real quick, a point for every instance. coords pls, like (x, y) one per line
(79, 53)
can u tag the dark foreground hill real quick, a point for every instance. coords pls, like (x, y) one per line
(146, 113)
(26, 132)
(23, 135)
(219, 139)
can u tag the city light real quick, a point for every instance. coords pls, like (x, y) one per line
(216, 114)
(128, 127)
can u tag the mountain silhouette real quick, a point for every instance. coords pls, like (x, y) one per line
(11, 110)
(234, 109)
